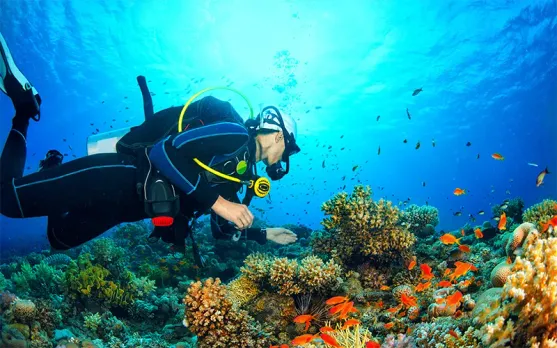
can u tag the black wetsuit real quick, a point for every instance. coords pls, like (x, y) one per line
(89, 195)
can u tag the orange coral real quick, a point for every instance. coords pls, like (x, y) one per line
(210, 315)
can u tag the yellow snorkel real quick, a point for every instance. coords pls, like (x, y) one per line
(261, 186)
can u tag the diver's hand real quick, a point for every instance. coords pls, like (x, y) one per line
(281, 235)
(238, 214)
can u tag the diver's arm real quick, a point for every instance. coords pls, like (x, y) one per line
(174, 157)
(222, 229)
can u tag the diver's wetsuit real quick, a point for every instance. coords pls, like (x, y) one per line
(87, 196)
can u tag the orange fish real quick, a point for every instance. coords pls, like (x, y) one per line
(379, 304)
(385, 288)
(447, 272)
(459, 192)
(408, 301)
(502, 222)
(336, 300)
(541, 176)
(326, 329)
(348, 308)
(329, 340)
(454, 298)
(389, 325)
(464, 248)
(372, 344)
(412, 265)
(393, 309)
(337, 308)
(453, 333)
(478, 233)
(497, 156)
(303, 339)
(462, 233)
(422, 286)
(509, 261)
(552, 222)
(461, 269)
(350, 322)
(444, 284)
(426, 271)
(449, 239)
(304, 319)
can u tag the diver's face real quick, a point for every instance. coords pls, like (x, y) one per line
(275, 150)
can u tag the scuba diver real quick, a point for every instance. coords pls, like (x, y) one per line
(180, 164)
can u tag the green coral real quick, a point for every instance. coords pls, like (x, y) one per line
(92, 321)
(87, 280)
(357, 227)
(417, 218)
(40, 279)
(540, 213)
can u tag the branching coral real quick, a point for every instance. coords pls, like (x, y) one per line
(417, 218)
(540, 213)
(211, 316)
(40, 279)
(529, 295)
(357, 226)
(438, 334)
(289, 277)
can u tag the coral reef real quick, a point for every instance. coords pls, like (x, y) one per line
(525, 313)
(420, 220)
(540, 213)
(290, 277)
(210, 315)
(358, 227)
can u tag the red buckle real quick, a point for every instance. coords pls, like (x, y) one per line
(162, 221)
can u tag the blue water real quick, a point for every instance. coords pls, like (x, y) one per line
(488, 71)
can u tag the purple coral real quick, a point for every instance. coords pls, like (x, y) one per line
(398, 341)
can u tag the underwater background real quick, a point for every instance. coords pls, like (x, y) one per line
(347, 72)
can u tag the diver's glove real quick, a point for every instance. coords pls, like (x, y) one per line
(281, 235)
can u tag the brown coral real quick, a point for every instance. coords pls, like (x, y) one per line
(23, 311)
(289, 277)
(357, 226)
(500, 274)
(371, 277)
(282, 274)
(210, 315)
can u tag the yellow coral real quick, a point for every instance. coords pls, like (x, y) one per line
(242, 290)
(530, 294)
(540, 213)
(316, 275)
(256, 267)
